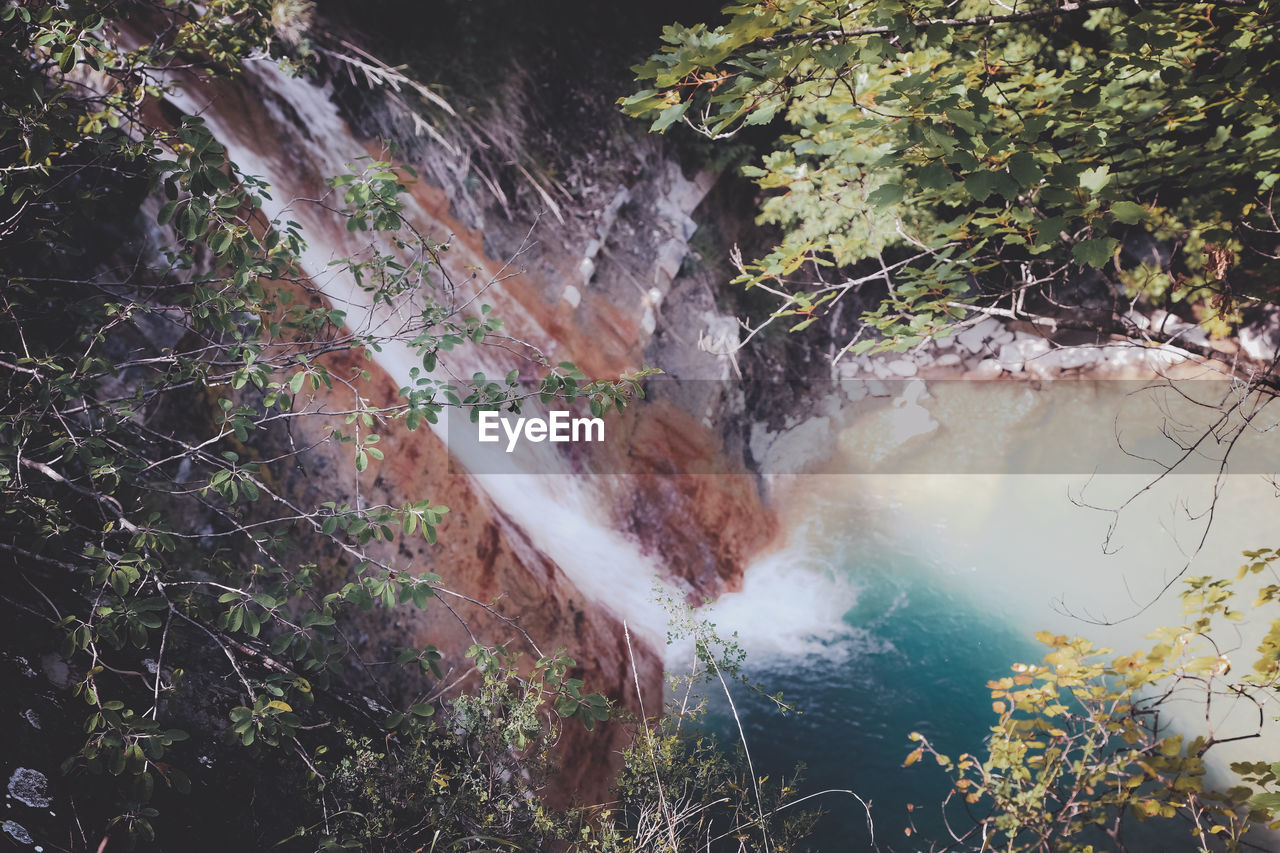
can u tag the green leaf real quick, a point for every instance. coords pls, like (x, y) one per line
(668, 116)
(980, 185)
(1024, 169)
(765, 114)
(886, 195)
(1128, 212)
(1095, 179)
(935, 176)
(1094, 253)
(1268, 802)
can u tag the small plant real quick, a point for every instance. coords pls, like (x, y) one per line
(1084, 746)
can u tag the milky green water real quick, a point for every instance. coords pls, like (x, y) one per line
(897, 598)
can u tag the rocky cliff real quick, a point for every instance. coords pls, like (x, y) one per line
(570, 558)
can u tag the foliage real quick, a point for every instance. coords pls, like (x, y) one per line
(944, 156)
(150, 396)
(471, 783)
(1084, 745)
(467, 783)
(679, 791)
(680, 788)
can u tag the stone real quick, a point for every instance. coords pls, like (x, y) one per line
(1072, 357)
(1011, 358)
(988, 368)
(1124, 356)
(670, 257)
(845, 369)
(975, 338)
(794, 450)
(30, 787)
(1024, 351)
(1028, 345)
(902, 367)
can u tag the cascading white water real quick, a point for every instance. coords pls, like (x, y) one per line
(557, 514)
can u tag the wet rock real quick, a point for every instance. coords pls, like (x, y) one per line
(30, 787)
(1123, 357)
(56, 670)
(18, 832)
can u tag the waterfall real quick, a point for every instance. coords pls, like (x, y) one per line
(294, 150)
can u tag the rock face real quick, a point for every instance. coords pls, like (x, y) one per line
(590, 292)
(483, 555)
